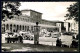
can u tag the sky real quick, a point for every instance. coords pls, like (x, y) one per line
(50, 10)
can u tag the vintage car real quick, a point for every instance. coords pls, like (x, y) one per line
(55, 34)
(27, 35)
(66, 38)
(8, 36)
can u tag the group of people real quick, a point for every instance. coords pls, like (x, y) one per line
(58, 42)
(11, 38)
(74, 43)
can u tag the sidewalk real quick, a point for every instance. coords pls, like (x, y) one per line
(40, 42)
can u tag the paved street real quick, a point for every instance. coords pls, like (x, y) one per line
(46, 44)
(31, 47)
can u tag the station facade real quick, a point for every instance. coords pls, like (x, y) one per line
(27, 21)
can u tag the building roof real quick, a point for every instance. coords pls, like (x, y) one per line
(56, 21)
(30, 10)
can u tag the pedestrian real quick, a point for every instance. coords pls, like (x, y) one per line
(73, 43)
(60, 43)
(8, 39)
(20, 39)
(57, 42)
(73, 37)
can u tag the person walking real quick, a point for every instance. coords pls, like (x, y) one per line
(57, 42)
(8, 39)
(20, 39)
(60, 43)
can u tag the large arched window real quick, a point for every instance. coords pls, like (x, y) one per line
(14, 26)
(20, 27)
(3, 28)
(11, 27)
(7, 27)
(17, 27)
(32, 28)
(27, 28)
(23, 27)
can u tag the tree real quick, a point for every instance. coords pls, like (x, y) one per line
(9, 9)
(73, 12)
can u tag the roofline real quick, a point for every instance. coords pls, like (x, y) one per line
(30, 10)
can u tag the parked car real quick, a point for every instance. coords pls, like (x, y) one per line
(9, 34)
(16, 34)
(26, 35)
(48, 34)
(55, 34)
(10, 37)
(66, 38)
(31, 36)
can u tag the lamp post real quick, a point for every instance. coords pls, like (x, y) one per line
(36, 33)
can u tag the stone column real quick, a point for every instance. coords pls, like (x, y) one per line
(29, 27)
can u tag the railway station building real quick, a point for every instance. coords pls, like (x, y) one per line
(27, 21)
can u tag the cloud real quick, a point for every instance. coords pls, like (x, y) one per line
(50, 10)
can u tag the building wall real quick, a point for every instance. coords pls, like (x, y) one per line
(59, 25)
(27, 22)
(66, 25)
(26, 13)
(35, 16)
(74, 26)
(48, 22)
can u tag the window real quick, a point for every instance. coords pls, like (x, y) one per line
(11, 27)
(3, 28)
(14, 26)
(32, 28)
(23, 27)
(27, 28)
(17, 27)
(7, 27)
(20, 27)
